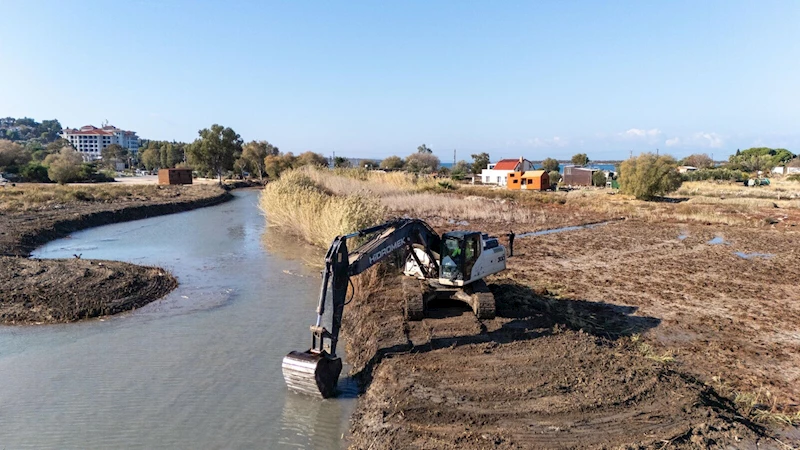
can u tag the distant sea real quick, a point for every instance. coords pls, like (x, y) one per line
(449, 165)
(609, 167)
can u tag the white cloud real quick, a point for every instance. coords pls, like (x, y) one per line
(555, 141)
(639, 133)
(700, 139)
(711, 140)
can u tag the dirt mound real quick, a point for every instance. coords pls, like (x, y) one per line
(546, 373)
(68, 290)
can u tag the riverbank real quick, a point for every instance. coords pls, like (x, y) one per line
(55, 291)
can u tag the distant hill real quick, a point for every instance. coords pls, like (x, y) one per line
(26, 130)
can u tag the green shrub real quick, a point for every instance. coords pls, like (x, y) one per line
(33, 172)
(64, 166)
(648, 176)
(717, 173)
(599, 178)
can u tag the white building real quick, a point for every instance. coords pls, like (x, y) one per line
(90, 140)
(497, 173)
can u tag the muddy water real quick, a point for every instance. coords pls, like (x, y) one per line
(198, 369)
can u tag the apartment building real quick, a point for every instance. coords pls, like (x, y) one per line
(90, 140)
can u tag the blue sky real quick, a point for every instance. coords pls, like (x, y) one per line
(371, 79)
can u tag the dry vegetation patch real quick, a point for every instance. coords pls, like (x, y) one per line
(33, 197)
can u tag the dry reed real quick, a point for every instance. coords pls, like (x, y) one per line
(297, 204)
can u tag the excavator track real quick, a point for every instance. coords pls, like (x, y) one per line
(418, 294)
(482, 300)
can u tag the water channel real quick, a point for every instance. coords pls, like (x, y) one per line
(197, 369)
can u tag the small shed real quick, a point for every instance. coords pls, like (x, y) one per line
(532, 180)
(578, 176)
(175, 176)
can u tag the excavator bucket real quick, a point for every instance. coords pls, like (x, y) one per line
(312, 373)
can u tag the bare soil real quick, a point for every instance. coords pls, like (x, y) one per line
(634, 334)
(49, 291)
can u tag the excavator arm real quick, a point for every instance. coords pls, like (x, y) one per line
(317, 370)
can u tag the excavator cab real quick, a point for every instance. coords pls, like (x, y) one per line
(460, 250)
(468, 256)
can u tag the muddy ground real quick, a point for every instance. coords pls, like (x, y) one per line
(633, 334)
(48, 291)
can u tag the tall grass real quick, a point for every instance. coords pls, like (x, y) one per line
(359, 181)
(300, 203)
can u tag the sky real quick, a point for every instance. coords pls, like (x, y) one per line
(372, 79)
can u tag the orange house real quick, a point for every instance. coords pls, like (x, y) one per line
(532, 180)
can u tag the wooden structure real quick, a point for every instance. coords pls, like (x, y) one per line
(175, 176)
(578, 176)
(532, 180)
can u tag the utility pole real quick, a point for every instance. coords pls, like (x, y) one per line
(454, 157)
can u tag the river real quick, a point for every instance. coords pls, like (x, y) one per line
(200, 368)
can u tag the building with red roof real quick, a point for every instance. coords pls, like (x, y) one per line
(90, 140)
(497, 173)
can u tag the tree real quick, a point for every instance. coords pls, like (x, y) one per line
(648, 176)
(422, 163)
(64, 166)
(151, 158)
(216, 149)
(555, 177)
(424, 149)
(112, 154)
(310, 159)
(580, 159)
(49, 130)
(480, 161)
(13, 155)
(254, 153)
(274, 165)
(240, 165)
(34, 172)
(341, 161)
(368, 164)
(599, 178)
(756, 163)
(393, 163)
(699, 160)
(460, 170)
(550, 165)
(171, 153)
(759, 158)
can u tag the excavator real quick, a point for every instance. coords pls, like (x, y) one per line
(451, 266)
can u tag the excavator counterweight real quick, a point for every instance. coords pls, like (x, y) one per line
(451, 266)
